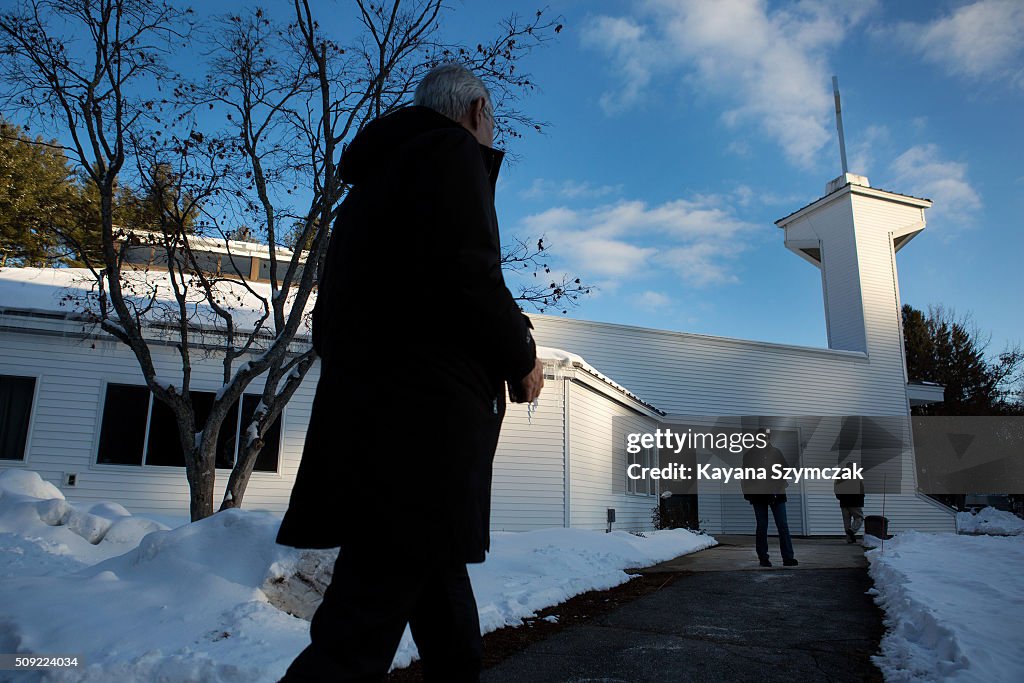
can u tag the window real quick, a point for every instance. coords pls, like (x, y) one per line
(139, 255)
(15, 411)
(136, 425)
(123, 430)
(646, 486)
(207, 262)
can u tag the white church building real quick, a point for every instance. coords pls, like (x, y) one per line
(67, 389)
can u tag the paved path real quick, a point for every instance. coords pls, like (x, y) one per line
(724, 618)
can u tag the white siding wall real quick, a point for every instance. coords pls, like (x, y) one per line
(528, 485)
(72, 374)
(690, 374)
(597, 481)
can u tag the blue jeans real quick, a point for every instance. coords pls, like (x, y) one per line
(781, 523)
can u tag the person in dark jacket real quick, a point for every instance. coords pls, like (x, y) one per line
(417, 336)
(850, 493)
(768, 494)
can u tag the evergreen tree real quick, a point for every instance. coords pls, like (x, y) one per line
(39, 195)
(948, 351)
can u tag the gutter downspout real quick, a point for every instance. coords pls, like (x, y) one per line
(567, 514)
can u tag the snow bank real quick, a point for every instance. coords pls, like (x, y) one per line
(37, 523)
(989, 521)
(201, 602)
(952, 607)
(27, 483)
(183, 605)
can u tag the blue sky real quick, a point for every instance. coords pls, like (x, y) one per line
(680, 131)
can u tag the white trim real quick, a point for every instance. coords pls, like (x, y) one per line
(940, 506)
(588, 380)
(853, 189)
(813, 350)
(149, 423)
(798, 246)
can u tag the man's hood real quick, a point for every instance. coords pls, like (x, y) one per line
(378, 143)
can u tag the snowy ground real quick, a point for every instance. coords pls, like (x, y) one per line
(989, 521)
(953, 607)
(141, 602)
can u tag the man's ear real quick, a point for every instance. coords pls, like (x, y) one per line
(477, 109)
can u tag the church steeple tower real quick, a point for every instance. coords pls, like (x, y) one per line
(852, 235)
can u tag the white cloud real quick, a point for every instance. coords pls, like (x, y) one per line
(541, 188)
(740, 148)
(984, 39)
(924, 173)
(861, 154)
(694, 239)
(626, 42)
(704, 264)
(769, 65)
(652, 301)
(607, 257)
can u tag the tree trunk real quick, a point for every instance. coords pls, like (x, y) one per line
(199, 464)
(240, 475)
(201, 493)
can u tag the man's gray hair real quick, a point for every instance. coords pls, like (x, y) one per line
(450, 89)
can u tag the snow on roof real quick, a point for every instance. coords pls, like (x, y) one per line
(567, 360)
(68, 291)
(72, 292)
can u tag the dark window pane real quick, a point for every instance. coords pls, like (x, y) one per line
(123, 431)
(202, 402)
(266, 461)
(228, 439)
(139, 255)
(164, 447)
(15, 411)
(207, 262)
(235, 265)
(159, 257)
(264, 268)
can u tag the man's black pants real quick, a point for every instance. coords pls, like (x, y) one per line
(360, 622)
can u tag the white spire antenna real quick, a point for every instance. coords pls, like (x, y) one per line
(839, 124)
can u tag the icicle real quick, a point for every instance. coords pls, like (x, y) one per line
(531, 408)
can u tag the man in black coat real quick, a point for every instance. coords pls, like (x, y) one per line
(768, 494)
(417, 336)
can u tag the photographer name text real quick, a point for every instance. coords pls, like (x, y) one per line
(727, 474)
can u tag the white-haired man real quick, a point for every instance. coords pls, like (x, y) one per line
(417, 336)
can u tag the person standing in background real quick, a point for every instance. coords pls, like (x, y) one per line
(850, 493)
(768, 494)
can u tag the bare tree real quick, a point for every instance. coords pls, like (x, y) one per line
(290, 97)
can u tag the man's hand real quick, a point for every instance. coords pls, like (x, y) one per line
(530, 386)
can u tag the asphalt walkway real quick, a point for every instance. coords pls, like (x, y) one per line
(724, 618)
